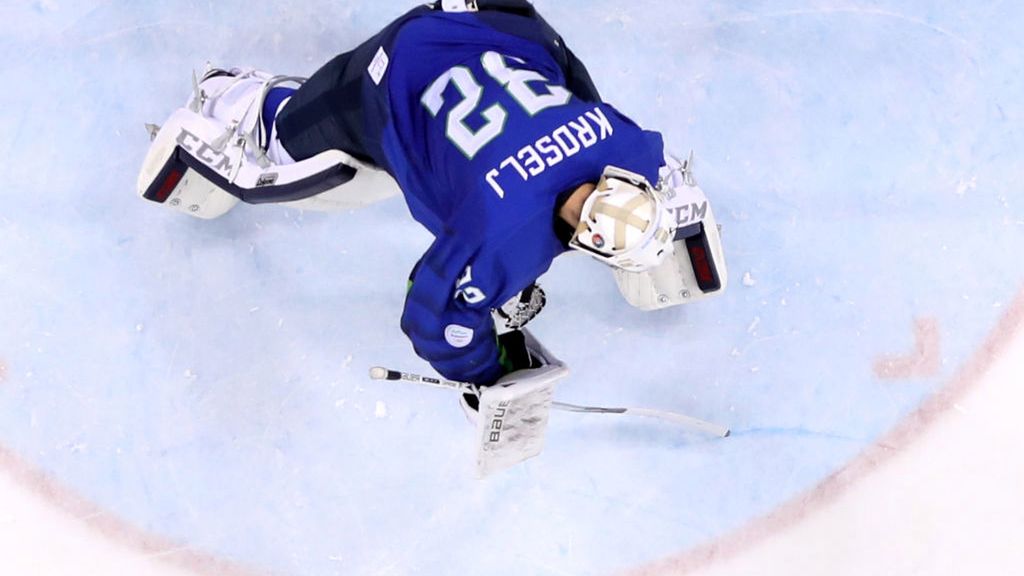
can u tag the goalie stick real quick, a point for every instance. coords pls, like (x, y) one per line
(688, 422)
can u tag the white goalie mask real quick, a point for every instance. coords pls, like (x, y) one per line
(624, 223)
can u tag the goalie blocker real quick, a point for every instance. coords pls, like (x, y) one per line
(696, 269)
(513, 413)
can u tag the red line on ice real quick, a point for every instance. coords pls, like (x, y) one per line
(730, 545)
(111, 527)
(907, 431)
(925, 361)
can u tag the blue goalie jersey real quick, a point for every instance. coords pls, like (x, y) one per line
(484, 139)
(484, 125)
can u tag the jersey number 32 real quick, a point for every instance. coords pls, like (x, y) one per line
(515, 81)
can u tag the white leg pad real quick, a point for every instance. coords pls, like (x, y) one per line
(368, 186)
(166, 180)
(193, 168)
(514, 417)
(695, 271)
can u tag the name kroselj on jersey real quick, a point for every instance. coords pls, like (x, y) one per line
(483, 139)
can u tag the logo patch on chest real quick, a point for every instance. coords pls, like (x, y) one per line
(458, 336)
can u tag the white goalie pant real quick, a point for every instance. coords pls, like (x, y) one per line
(696, 270)
(204, 160)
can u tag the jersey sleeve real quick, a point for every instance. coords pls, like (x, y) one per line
(451, 328)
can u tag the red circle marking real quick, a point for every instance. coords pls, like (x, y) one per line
(906, 432)
(731, 545)
(114, 529)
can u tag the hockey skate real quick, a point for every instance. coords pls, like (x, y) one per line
(221, 148)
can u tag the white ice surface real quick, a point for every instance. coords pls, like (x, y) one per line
(206, 381)
(948, 504)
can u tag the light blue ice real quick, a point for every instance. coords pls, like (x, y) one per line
(206, 381)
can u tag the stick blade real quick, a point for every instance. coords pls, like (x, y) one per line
(693, 424)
